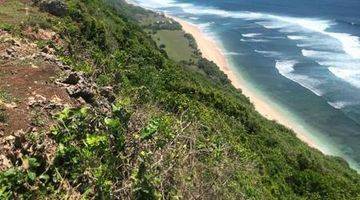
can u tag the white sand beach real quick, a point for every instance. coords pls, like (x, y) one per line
(211, 50)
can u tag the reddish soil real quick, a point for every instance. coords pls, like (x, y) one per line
(29, 96)
(26, 82)
(23, 83)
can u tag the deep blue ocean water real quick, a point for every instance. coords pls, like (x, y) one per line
(303, 55)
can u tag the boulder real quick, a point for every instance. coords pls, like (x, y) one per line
(55, 7)
(73, 79)
(80, 90)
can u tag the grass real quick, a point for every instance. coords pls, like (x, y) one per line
(5, 96)
(8, 16)
(14, 13)
(176, 45)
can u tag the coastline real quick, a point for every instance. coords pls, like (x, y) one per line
(212, 50)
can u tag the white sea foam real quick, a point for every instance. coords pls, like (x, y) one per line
(304, 45)
(348, 43)
(319, 43)
(319, 29)
(194, 18)
(341, 65)
(308, 53)
(154, 4)
(274, 37)
(286, 69)
(297, 37)
(350, 74)
(251, 35)
(199, 10)
(351, 44)
(271, 25)
(254, 40)
(232, 53)
(273, 54)
(341, 104)
(205, 26)
(324, 55)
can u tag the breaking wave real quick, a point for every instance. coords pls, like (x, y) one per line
(286, 69)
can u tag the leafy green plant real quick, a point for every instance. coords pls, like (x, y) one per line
(5, 96)
(150, 129)
(16, 179)
(6, 26)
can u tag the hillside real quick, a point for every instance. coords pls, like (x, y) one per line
(92, 107)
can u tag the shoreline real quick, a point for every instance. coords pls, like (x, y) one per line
(212, 50)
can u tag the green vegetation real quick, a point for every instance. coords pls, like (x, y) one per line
(172, 133)
(13, 12)
(4, 96)
(167, 33)
(9, 17)
(176, 45)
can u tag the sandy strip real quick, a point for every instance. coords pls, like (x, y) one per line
(212, 51)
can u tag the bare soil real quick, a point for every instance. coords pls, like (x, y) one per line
(28, 80)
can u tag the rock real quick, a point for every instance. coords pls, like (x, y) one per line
(47, 49)
(48, 57)
(72, 79)
(78, 86)
(34, 66)
(13, 42)
(31, 101)
(108, 93)
(45, 34)
(62, 66)
(37, 100)
(55, 7)
(6, 56)
(10, 138)
(10, 52)
(11, 105)
(82, 91)
(2, 32)
(81, 101)
(5, 163)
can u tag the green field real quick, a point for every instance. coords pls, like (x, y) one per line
(176, 45)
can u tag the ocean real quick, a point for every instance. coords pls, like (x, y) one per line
(302, 55)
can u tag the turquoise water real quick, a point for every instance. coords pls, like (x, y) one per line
(303, 56)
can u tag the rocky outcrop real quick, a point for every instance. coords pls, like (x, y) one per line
(78, 87)
(108, 93)
(55, 7)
